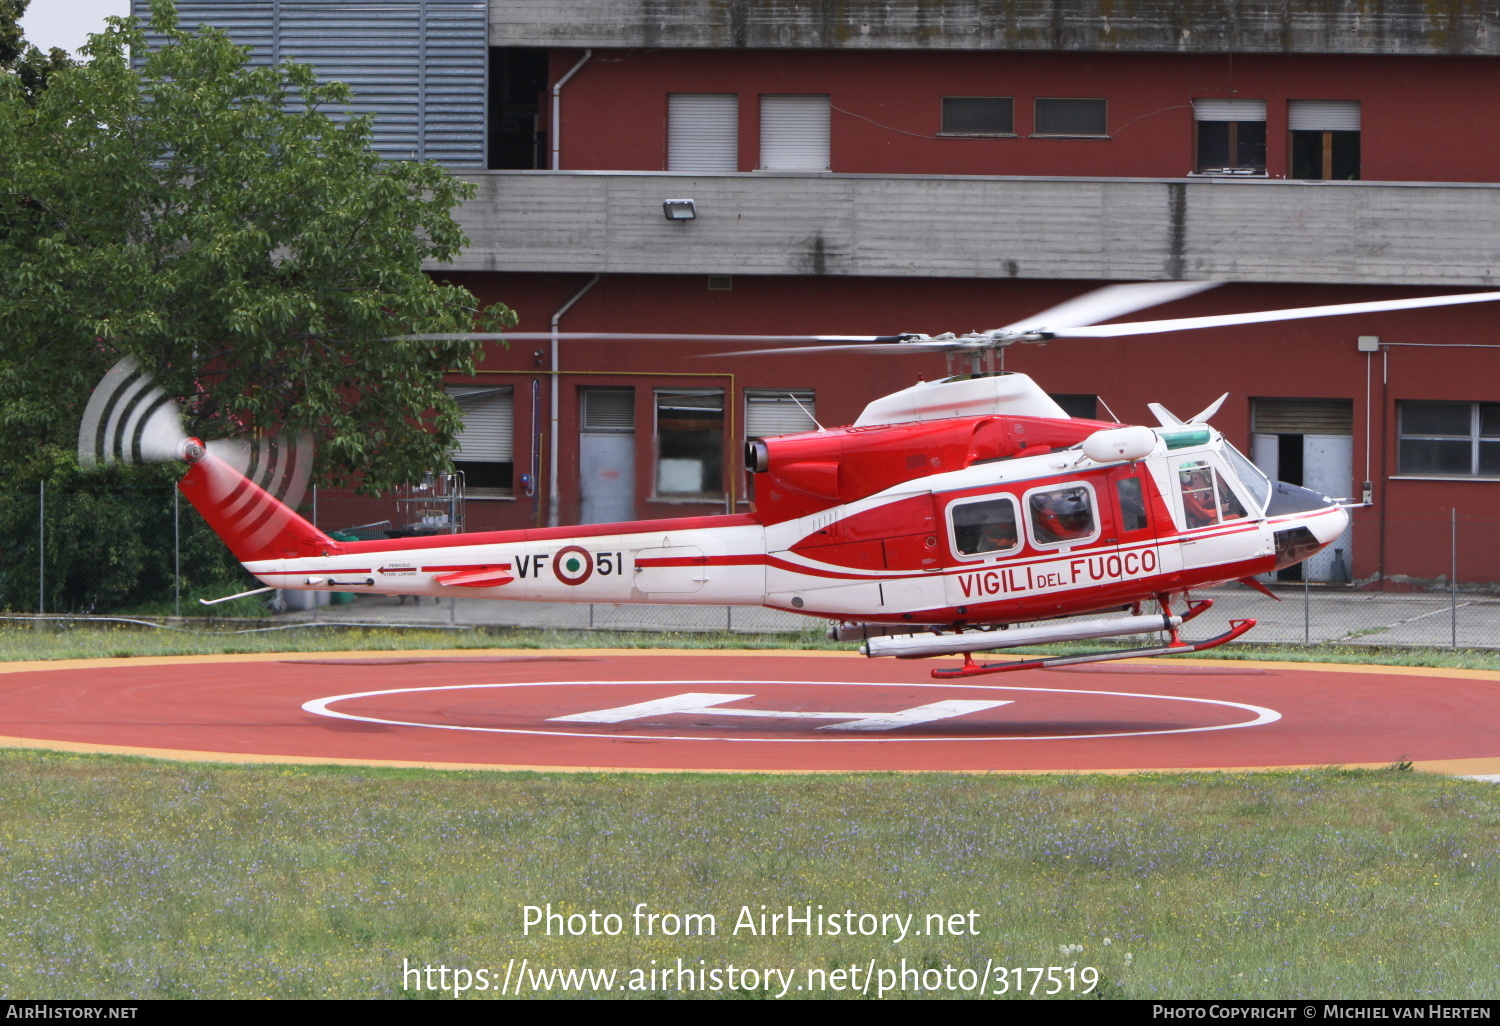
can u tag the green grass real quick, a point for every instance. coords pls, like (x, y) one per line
(127, 878)
(133, 879)
(65, 640)
(62, 640)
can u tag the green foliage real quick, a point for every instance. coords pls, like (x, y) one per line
(108, 544)
(30, 66)
(246, 245)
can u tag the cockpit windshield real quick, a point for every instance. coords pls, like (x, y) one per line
(1255, 482)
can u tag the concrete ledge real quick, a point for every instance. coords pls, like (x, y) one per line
(1429, 234)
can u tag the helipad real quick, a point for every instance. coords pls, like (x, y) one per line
(751, 711)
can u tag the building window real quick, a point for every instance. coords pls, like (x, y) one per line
(485, 449)
(794, 133)
(609, 410)
(1325, 139)
(779, 411)
(1231, 137)
(1070, 117)
(690, 443)
(978, 115)
(703, 132)
(518, 76)
(1449, 439)
(1077, 405)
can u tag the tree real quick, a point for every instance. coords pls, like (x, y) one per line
(29, 65)
(243, 243)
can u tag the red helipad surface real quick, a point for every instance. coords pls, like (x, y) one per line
(755, 711)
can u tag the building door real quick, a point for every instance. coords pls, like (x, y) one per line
(606, 455)
(1309, 442)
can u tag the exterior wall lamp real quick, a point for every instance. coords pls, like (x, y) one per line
(679, 209)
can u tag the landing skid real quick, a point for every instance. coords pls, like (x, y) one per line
(972, 669)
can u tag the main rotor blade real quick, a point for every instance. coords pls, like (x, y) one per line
(1265, 316)
(880, 349)
(637, 336)
(1102, 304)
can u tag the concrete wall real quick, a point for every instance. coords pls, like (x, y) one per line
(1184, 26)
(986, 227)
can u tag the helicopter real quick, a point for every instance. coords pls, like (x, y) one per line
(953, 517)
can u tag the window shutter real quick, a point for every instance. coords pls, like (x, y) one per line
(610, 410)
(794, 133)
(703, 132)
(1323, 115)
(1304, 416)
(488, 434)
(771, 413)
(1229, 110)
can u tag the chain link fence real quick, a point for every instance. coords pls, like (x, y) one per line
(1430, 581)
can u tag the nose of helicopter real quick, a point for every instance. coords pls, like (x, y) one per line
(1330, 525)
(1324, 522)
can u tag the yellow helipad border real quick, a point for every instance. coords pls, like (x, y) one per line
(1455, 767)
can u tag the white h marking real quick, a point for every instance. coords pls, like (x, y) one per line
(697, 702)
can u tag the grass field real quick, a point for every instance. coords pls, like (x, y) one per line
(61, 640)
(128, 878)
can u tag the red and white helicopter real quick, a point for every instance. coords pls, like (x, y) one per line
(953, 517)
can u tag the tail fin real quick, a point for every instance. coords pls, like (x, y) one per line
(252, 522)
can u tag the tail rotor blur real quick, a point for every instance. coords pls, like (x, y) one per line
(129, 419)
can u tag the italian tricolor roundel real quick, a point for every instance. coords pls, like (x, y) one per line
(572, 564)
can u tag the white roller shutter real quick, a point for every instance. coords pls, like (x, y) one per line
(488, 434)
(1323, 115)
(1229, 110)
(769, 413)
(794, 133)
(703, 132)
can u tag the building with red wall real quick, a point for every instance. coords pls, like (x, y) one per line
(879, 166)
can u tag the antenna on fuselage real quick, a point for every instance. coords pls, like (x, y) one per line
(805, 410)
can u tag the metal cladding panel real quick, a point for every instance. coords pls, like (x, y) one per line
(418, 66)
(976, 227)
(1148, 26)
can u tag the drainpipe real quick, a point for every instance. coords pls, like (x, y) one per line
(557, 110)
(552, 497)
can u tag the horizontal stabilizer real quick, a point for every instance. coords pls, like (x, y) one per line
(483, 577)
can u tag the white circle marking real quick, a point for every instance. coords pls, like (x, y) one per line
(320, 707)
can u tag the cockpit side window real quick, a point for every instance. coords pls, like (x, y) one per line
(983, 527)
(1061, 515)
(1205, 499)
(1255, 482)
(1196, 482)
